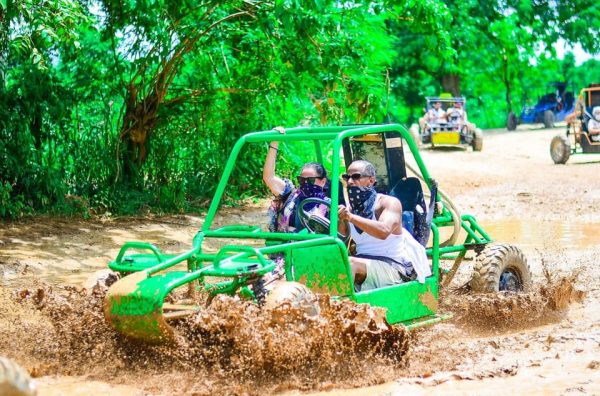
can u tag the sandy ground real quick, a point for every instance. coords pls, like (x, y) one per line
(551, 212)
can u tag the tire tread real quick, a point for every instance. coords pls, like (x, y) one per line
(565, 153)
(490, 263)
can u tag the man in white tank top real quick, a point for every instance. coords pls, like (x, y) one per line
(386, 253)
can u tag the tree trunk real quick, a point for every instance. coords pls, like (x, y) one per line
(35, 127)
(145, 96)
(506, 79)
(451, 83)
(3, 44)
(139, 120)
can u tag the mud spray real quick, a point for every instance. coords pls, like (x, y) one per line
(501, 312)
(230, 347)
(234, 347)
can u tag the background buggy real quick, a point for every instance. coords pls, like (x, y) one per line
(452, 132)
(550, 108)
(576, 139)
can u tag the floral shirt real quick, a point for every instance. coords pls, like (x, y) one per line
(282, 212)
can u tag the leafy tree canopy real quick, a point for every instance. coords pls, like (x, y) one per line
(121, 105)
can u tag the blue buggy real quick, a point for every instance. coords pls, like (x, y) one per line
(549, 109)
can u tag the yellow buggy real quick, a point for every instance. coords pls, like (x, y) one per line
(451, 129)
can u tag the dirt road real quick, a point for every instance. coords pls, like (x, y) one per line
(512, 187)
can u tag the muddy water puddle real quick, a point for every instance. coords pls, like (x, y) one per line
(73, 332)
(75, 266)
(70, 256)
(231, 347)
(530, 235)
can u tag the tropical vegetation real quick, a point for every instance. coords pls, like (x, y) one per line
(124, 106)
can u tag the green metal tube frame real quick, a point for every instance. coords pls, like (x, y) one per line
(201, 265)
(337, 134)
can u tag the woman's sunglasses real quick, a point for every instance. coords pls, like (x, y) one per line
(309, 180)
(354, 176)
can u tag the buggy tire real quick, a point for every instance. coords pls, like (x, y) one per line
(477, 142)
(293, 294)
(501, 267)
(548, 119)
(414, 133)
(560, 149)
(512, 121)
(101, 280)
(14, 380)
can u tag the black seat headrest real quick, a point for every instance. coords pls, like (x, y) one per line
(409, 191)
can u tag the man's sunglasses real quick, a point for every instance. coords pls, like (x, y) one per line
(354, 176)
(309, 180)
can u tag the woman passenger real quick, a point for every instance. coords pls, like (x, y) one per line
(311, 183)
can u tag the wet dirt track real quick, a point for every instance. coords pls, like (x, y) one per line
(512, 187)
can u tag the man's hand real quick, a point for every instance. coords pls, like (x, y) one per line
(343, 213)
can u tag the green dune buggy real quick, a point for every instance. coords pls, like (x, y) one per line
(139, 304)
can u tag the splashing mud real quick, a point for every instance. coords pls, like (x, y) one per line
(230, 346)
(507, 311)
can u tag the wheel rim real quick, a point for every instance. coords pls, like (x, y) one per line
(510, 281)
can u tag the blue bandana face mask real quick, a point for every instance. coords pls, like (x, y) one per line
(311, 190)
(362, 200)
(308, 190)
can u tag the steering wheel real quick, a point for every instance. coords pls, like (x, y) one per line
(314, 223)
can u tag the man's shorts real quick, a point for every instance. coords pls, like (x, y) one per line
(380, 274)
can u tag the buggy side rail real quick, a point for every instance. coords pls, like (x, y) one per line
(476, 236)
(238, 228)
(138, 246)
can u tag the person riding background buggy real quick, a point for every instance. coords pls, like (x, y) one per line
(435, 115)
(594, 125)
(457, 114)
(582, 135)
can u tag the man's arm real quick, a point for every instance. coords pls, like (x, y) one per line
(390, 219)
(427, 116)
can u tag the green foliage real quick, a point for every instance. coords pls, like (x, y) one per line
(12, 206)
(220, 69)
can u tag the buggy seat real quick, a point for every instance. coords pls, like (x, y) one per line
(415, 217)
